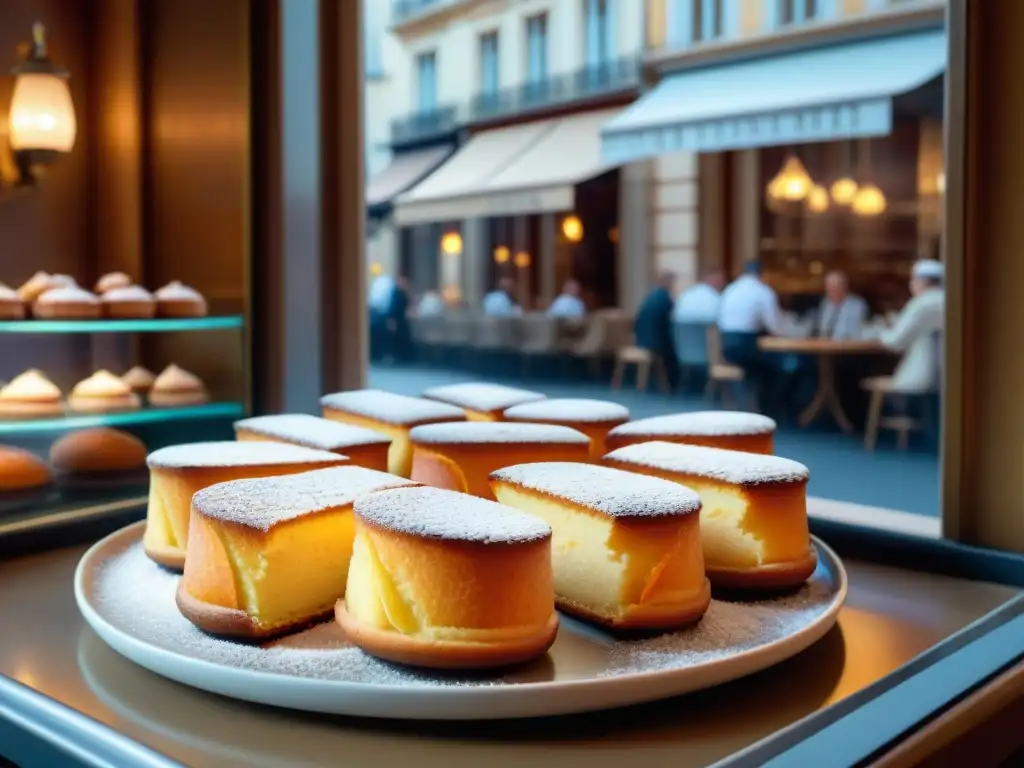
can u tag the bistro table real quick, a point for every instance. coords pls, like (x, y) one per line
(826, 351)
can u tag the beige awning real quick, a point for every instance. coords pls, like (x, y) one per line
(405, 170)
(522, 169)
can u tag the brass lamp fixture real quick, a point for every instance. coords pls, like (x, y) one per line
(41, 123)
(792, 183)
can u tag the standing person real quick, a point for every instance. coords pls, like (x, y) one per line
(842, 314)
(568, 304)
(653, 326)
(378, 300)
(499, 302)
(398, 321)
(699, 304)
(749, 310)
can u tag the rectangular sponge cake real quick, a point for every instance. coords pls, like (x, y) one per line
(363, 447)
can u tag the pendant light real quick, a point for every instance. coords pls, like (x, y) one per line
(792, 183)
(844, 189)
(869, 200)
(817, 199)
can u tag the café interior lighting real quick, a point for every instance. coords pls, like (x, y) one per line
(869, 201)
(817, 199)
(844, 190)
(792, 183)
(451, 243)
(501, 255)
(376, 269)
(940, 183)
(572, 228)
(522, 260)
(42, 123)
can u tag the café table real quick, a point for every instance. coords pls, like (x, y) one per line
(826, 352)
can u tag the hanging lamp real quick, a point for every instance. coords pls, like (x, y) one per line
(792, 183)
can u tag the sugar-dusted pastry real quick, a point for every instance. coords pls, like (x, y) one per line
(21, 470)
(68, 302)
(482, 401)
(98, 450)
(178, 300)
(269, 555)
(35, 286)
(732, 430)
(130, 301)
(178, 472)
(139, 379)
(444, 580)
(175, 387)
(11, 305)
(594, 418)
(461, 456)
(30, 395)
(364, 447)
(625, 548)
(103, 392)
(112, 280)
(391, 415)
(754, 524)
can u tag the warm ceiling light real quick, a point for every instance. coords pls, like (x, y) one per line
(451, 294)
(451, 243)
(940, 183)
(869, 201)
(792, 183)
(522, 260)
(376, 269)
(501, 255)
(844, 190)
(572, 228)
(817, 199)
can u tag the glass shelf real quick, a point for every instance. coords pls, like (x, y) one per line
(156, 325)
(126, 418)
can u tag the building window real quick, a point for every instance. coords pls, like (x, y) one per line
(707, 20)
(657, 24)
(797, 11)
(489, 68)
(426, 81)
(373, 37)
(599, 31)
(537, 49)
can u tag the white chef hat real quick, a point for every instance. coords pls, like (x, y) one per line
(929, 269)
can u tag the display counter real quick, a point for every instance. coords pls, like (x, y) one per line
(858, 679)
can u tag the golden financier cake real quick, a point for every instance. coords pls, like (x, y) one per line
(754, 523)
(11, 305)
(67, 302)
(129, 301)
(103, 392)
(445, 580)
(391, 415)
(178, 472)
(482, 401)
(175, 387)
(594, 418)
(625, 548)
(30, 395)
(461, 456)
(97, 450)
(269, 555)
(364, 447)
(110, 281)
(731, 430)
(21, 470)
(179, 300)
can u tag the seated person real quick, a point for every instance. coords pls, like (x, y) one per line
(652, 328)
(568, 304)
(499, 302)
(431, 304)
(699, 303)
(917, 332)
(841, 314)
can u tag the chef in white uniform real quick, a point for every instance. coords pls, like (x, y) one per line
(917, 332)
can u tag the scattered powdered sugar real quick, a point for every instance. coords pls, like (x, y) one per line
(238, 454)
(610, 491)
(569, 410)
(67, 293)
(128, 293)
(483, 432)
(135, 596)
(699, 423)
(178, 291)
(715, 463)
(312, 431)
(261, 503)
(391, 408)
(481, 396)
(439, 514)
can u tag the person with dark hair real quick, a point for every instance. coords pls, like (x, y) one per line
(652, 328)
(700, 302)
(749, 309)
(399, 336)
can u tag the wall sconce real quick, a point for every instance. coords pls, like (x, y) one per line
(41, 123)
(501, 255)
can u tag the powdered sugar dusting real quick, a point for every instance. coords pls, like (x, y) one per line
(178, 291)
(262, 503)
(232, 454)
(312, 431)
(391, 408)
(439, 514)
(67, 293)
(609, 491)
(127, 293)
(699, 424)
(484, 432)
(481, 396)
(714, 463)
(570, 410)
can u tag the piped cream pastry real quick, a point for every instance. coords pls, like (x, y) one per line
(594, 418)
(35, 286)
(460, 456)
(139, 379)
(625, 548)
(178, 472)
(101, 393)
(269, 555)
(443, 580)
(179, 300)
(68, 302)
(176, 387)
(482, 401)
(11, 305)
(754, 523)
(130, 301)
(364, 447)
(31, 395)
(112, 280)
(731, 430)
(391, 415)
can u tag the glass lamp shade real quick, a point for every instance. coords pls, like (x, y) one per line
(572, 228)
(42, 114)
(792, 183)
(844, 191)
(817, 199)
(501, 255)
(870, 201)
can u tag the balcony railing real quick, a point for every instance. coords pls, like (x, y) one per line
(419, 127)
(621, 75)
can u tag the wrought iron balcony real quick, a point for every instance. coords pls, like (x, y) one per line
(606, 79)
(417, 127)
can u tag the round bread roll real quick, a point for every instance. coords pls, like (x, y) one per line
(21, 470)
(98, 450)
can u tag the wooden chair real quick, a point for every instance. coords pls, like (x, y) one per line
(722, 376)
(881, 388)
(644, 360)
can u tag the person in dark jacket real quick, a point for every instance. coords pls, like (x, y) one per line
(398, 321)
(653, 326)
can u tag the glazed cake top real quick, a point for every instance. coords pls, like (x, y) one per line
(390, 408)
(229, 453)
(571, 410)
(101, 384)
(481, 396)
(261, 503)
(178, 291)
(67, 293)
(31, 385)
(495, 432)
(734, 467)
(312, 431)
(174, 378)
(433, 513)
(611, 492)
(699, 424)
(137, 376)
(127, 293)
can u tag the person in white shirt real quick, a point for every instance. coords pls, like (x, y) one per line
(568, 304)
(749, 309)
(430, 305)
(918, 330)
(499, 303)
(842, 314)
(699, 304)
(379, 297)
